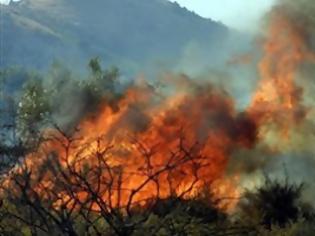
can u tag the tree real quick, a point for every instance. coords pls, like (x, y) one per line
(101, 84)
(11, 147)
(33, 111)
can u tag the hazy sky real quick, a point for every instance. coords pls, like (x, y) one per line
(240, 14)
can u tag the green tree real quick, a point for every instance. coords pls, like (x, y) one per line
(33, 111)
(102, 81)
(101, 84)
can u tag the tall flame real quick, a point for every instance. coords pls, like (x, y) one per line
(279, 99)
(157, 144)
(177, 146)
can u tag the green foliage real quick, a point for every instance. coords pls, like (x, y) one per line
(178, 222)
(203, 207)
(274, 204)
(33, 105)
(300, 228)
(33, 110)
(57, 97)
(101, 83)
(95, 66)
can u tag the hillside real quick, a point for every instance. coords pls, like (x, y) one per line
(132, 34)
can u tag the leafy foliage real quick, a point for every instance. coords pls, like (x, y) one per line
(275, 204)
(101, 83)
(33, 110)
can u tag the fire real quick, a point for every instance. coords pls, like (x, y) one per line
(279, 98)
(182, 146)
(158, 144)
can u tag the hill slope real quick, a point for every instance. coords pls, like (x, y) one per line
(132, 34)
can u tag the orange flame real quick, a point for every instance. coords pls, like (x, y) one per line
(158, 145)
(175, 147)
(278, 99)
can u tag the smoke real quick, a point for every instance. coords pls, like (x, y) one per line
(283, 103)
(301, 13)
(276, 129)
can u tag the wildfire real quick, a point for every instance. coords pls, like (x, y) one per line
(160, 144)
(279, 98)
(147, 151)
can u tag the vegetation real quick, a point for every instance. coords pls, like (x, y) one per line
(50, 202)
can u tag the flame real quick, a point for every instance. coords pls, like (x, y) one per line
(155, 145)
(279, 98)
(183, 146)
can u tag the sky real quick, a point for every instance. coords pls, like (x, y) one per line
(239, 14)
